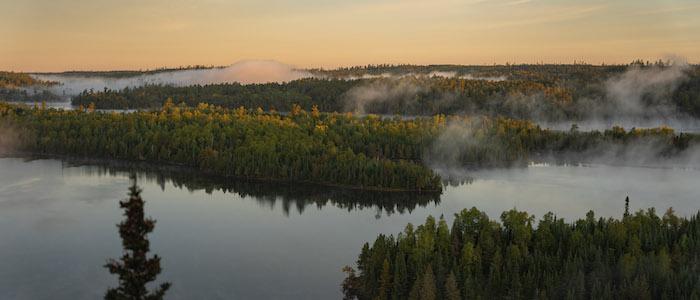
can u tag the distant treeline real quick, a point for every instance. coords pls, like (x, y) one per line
(328, 148)
(641, 256)
(542, 73)
(543, 92)
(21, 87)
(304, 92)
(18, 79)
(131, 73)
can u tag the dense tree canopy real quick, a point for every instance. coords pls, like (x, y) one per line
(641, 256)
(302, 146)
(329, 148)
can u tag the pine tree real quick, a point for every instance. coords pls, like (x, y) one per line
(135, 269)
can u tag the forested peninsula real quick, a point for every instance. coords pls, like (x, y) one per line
(370, 152)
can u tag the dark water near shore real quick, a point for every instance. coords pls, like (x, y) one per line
(243, 240)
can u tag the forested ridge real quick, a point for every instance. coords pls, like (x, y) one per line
(330, 148)
(640, 256)
(282, 97)
(544, 92)
(405, 96)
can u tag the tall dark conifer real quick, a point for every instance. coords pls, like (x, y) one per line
(135, 269)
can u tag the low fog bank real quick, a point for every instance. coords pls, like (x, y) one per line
(244, 72)
(642, 92)
(399, 92)
(645, 154)
(641, 156)
(687, 124)
(641, 96)
(646, 91)
(462, 147)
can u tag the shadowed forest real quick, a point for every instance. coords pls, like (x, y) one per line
(639, 256)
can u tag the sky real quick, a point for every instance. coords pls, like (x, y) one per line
(59, 35)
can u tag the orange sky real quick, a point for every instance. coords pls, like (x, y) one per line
(56, 35)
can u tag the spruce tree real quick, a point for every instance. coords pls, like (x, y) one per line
(135, 269)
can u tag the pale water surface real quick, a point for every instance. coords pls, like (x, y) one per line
(57, 224)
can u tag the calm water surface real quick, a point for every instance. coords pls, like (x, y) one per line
(266, 241)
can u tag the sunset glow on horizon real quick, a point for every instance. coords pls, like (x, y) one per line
(43, 35)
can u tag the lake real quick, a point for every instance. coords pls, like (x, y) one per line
(247, 240)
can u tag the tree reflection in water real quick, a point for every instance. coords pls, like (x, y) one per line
(291, 196)
(135, 269)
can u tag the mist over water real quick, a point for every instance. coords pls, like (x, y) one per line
(248, 72)
(638, 97)
(244, 72)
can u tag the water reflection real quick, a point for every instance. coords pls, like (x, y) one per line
(135, 269)
(292, 196)
(221, 246)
